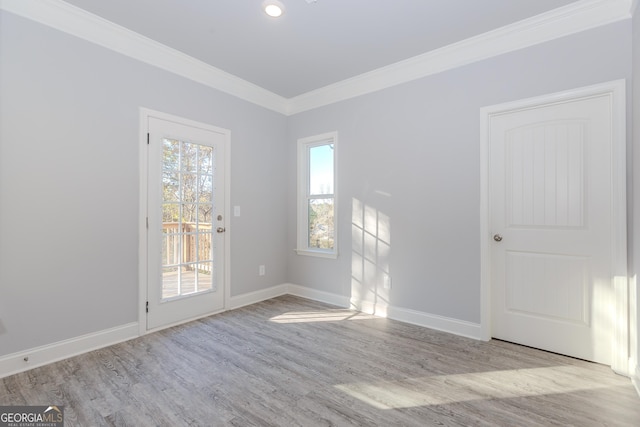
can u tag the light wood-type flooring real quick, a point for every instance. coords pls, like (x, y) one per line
(294, 362)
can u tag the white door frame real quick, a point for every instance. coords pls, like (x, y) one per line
(620, 310)
(145, 114)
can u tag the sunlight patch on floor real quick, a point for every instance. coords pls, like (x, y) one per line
(336, 315)
(446, 389)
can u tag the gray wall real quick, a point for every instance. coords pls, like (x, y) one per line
(69, 175)
(635, 223)
(69, 182)
(411, 154)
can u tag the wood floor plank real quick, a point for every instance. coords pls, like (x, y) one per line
(295, 362)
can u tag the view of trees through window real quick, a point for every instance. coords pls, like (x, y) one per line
(321, 223)
(321, 197)
(187, 210)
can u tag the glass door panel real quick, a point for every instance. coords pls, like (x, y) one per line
(188, 248)
(185, 208)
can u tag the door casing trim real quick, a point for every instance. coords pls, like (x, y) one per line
(620, 310)
(143, 156)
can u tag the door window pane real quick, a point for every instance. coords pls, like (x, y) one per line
(205, 188)
(170, 214)
(187, 210)
(205, 160)
(189, 187)
(205, 276)
(189, 156)
(187, 214)
(205, 212)
(170, 154)
(170, 186)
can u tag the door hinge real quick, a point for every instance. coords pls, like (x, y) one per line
(147, 307)
(147, 138)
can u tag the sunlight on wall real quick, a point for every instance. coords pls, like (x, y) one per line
(634, 365)
(371, 249)
(602, 321)
(618, 325)
(446, 389)
(336, 315)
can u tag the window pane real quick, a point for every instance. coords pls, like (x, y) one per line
(205, 188)
(188, 213)
(317, 232)
(170, 249)
(187, 210)
(189, 157)
(170, 214)
(205, 159)
(170, 282)
(204, 246)
(321, 169)
(205, 276)
(321, 224)
(187, 279)
(204, 214)
(170, 186)
(189, 187)
(189, 248)
(170, 154)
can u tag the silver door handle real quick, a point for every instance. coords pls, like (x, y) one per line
(497, 238)
(221, 229)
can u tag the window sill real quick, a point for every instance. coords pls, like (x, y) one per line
(317, 253)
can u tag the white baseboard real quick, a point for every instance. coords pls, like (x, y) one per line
(434, 321)
(369, 307)
(419, 318)
(43, 355)
(257, 296)
(635, 379)
(39, 356)
(316, 295)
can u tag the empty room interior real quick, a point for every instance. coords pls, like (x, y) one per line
(320, 212)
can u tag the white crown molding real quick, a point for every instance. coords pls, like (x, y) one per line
(570, 19)
(78, 22)
(573, 18)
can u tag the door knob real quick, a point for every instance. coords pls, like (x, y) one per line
(497, 238)
(221, 229)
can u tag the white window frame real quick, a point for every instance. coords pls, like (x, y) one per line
(304, 145)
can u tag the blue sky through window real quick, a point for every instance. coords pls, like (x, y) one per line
(321, 169)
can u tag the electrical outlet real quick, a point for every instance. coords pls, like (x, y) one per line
(261, 270)
(386, 284)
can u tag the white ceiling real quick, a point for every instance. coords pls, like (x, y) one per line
(311, 45)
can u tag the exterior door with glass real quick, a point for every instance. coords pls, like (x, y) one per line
(185, 221)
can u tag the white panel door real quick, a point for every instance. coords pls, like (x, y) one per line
(550, 190)
(186, 231)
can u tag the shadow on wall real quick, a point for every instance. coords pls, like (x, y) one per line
(370, 254)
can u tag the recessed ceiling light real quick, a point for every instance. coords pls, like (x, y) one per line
(273, 8)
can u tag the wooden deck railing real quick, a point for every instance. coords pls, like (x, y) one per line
(187, 243)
